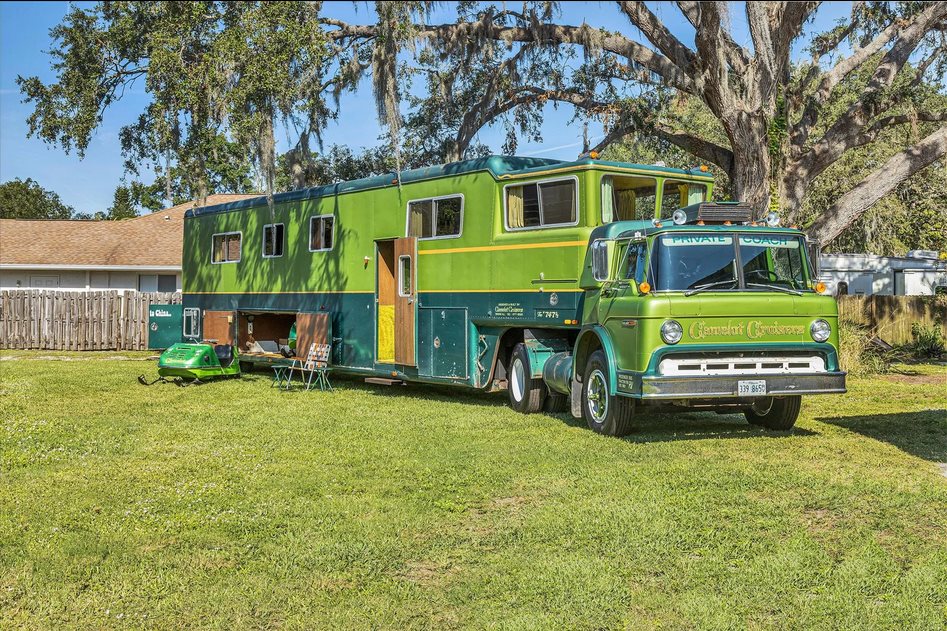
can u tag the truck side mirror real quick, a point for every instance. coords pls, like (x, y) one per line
(815, 256)
(601, 256)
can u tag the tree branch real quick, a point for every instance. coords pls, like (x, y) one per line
(847, 131)
(591, 39)
(711, 46)
(737, 56)
(700, 148)
(658, 34)
(877, 184)
(910, 36)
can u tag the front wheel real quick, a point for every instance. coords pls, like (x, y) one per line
(526, 393)
(604, 413)
(778, 414)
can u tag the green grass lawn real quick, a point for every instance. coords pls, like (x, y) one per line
(236, 505)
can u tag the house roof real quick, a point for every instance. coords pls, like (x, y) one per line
(500, 167)
(152, 240)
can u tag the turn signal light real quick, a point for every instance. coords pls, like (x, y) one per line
(645, 287)
(820, 287)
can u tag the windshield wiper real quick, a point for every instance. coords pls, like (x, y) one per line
(786, 290)
(708, 286)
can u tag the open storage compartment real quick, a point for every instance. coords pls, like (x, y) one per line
(267, 335)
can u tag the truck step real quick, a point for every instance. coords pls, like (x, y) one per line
(382, 381)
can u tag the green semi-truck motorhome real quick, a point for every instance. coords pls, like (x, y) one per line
(599, 287)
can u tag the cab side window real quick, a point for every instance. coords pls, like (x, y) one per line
(635, 262)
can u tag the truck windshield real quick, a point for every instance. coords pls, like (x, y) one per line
(693, 261)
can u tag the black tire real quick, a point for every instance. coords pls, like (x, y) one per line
(556, 403)
(776, 413)
(526, 393)
(604, 413)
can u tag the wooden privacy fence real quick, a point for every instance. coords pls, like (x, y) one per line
(891, 317)
(77, 320)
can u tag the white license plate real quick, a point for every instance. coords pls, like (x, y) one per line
(752, 388)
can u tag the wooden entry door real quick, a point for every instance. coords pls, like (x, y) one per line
(219, 326)
(396, 301)
(406, 302)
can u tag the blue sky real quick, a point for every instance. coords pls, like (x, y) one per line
(88, 184)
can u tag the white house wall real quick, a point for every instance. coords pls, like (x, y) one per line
(77, 280)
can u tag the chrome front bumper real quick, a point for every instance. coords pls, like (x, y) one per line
(725, 386)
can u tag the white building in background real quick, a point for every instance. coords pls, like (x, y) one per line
(138, 254)
(920, 273)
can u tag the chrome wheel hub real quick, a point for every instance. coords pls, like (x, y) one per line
(596, 396)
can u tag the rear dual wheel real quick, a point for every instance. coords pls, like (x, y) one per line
(526, 393)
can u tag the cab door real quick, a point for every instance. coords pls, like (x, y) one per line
(620, 305)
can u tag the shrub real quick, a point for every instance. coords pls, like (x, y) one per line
(856, 352)
(928, 340)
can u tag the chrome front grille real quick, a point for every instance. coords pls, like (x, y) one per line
(723, 365)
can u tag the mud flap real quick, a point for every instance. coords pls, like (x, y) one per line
(575, 398)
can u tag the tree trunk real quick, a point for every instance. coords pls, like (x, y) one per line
(750, 174)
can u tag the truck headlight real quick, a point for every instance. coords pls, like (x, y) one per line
(672, 332)
(820, 330)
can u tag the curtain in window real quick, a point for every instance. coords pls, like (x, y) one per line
(514, 207)
(682, 193)
(608, 189)
(416, 223)
(233, 247)
(695, 194)
(625, 204)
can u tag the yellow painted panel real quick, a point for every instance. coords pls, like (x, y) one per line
(386, 334)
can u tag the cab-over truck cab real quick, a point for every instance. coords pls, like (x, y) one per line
(707, 310)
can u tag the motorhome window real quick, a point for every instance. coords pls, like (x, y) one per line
(404, 276)
(771, 259)
(321, 230)
(627, 198)
(273, 240)
(226, 247)
(677, 194)
(435, 218)
(192, 323)
(541, 204)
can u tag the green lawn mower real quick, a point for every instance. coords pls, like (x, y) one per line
(186, 364)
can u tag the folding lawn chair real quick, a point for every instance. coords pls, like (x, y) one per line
(316, 364)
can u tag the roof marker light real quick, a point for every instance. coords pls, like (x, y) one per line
(772, 219)
(679, 217)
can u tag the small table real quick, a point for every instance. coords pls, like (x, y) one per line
(281, 376)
